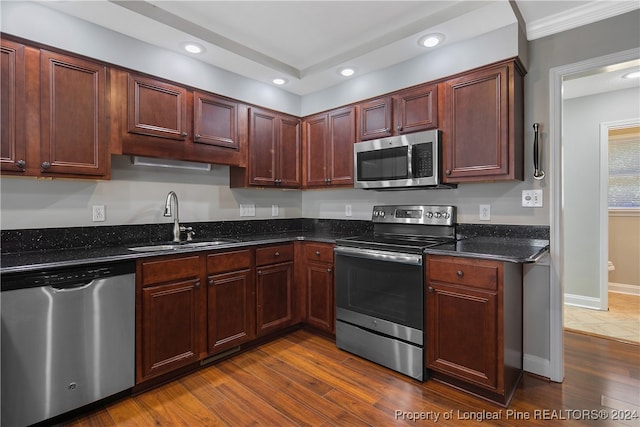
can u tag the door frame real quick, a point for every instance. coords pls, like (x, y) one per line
(556, 288)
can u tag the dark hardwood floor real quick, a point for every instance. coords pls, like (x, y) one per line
(303, 379)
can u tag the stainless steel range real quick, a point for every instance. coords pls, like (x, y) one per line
(380, 285)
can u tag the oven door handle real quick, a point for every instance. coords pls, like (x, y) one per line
(379, 255)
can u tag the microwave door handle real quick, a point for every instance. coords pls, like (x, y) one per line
(410, 160)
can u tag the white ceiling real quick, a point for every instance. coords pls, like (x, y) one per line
(305, 42)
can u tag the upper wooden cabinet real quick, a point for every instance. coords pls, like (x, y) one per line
(415, 109)
(53, 114)
(73, 116)
(328, 148)
(410, 110)
(13, 141)
(274, 151)
(482, 124)
(161, 119)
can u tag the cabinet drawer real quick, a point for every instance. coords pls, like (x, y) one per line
(170, 269)
(274, 254)
(318, 252)
(474, 273)
(229, 261)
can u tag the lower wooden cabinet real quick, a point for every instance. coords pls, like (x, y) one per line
(274, 288)
(318, 284)
(474, 324)
(230, 300)
(169, 315)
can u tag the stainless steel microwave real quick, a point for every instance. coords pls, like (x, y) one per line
(398, 162)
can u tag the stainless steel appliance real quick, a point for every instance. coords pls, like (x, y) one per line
(399, 162)
(380, 285)
(68, 339)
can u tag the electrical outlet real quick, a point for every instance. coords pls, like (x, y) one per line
(275, 210)
(485, 212)
(532, 198)
(347, 210)
(248, 210)
(99, 213)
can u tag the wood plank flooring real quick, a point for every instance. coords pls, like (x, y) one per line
(303, 379)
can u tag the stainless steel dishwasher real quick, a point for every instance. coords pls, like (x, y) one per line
(68, 339)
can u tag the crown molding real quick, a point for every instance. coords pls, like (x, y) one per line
(578, 16)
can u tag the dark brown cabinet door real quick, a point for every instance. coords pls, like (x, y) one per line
(274, 291)
(416, 109)
(170, 327)
(320, 296)
(482, 129)
(230, 310)
(170, 310)
(263, 146)
(12, 110)
(462, 333)
(375, 118)
(289, 152)
(157, 108)
(342, 136)
(215, 121)
(315, 151)
(73, 116)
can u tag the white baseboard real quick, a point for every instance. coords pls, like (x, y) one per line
(623, 288)
(582, 301)
(536, 365)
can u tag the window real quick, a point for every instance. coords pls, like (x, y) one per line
(624, 168)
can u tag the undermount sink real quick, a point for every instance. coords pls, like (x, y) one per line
(181, 245)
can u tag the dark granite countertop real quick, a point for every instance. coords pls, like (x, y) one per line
(509, 249)
(57, 258)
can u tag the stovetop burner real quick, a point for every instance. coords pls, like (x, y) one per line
(403, 228)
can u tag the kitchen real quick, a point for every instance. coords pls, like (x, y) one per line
(135, 194)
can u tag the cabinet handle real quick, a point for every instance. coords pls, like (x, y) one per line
(399, 128)
(45, 165)
(460, 273)
(21, 164)
(430, 289)
(184, 134)
(196, 136)
(447, 172)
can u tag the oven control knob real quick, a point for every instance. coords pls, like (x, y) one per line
(429, 214)
(438, 215)
(446, 215)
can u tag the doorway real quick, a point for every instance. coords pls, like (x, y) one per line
(559, 216)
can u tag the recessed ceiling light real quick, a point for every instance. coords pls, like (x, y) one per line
(632, 75)
(193, 47)
(279, 81)
(347, 71)
(431, 40)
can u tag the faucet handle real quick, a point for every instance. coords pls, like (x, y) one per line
(189, 231)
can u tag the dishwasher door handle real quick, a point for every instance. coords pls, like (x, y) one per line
(71, 287)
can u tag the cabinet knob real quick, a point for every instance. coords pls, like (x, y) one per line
(184, 134)
(276, 254)
(460, 273)
(211, 282)
(21, 164)
(259, 271)
(329, 270)
(447, 172)
(197, 285)
(197, 136)
(430, 289)
(387, 130)
(399, 128)
(317, 253)
(45, 165)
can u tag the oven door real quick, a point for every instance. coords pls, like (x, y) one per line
(381, 291)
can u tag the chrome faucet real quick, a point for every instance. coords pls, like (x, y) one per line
(168, 211)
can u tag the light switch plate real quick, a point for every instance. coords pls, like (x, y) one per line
(532, 198)
(99, 213)
(275, 210)
(248, 210)
(347, 210)
(485, 212)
